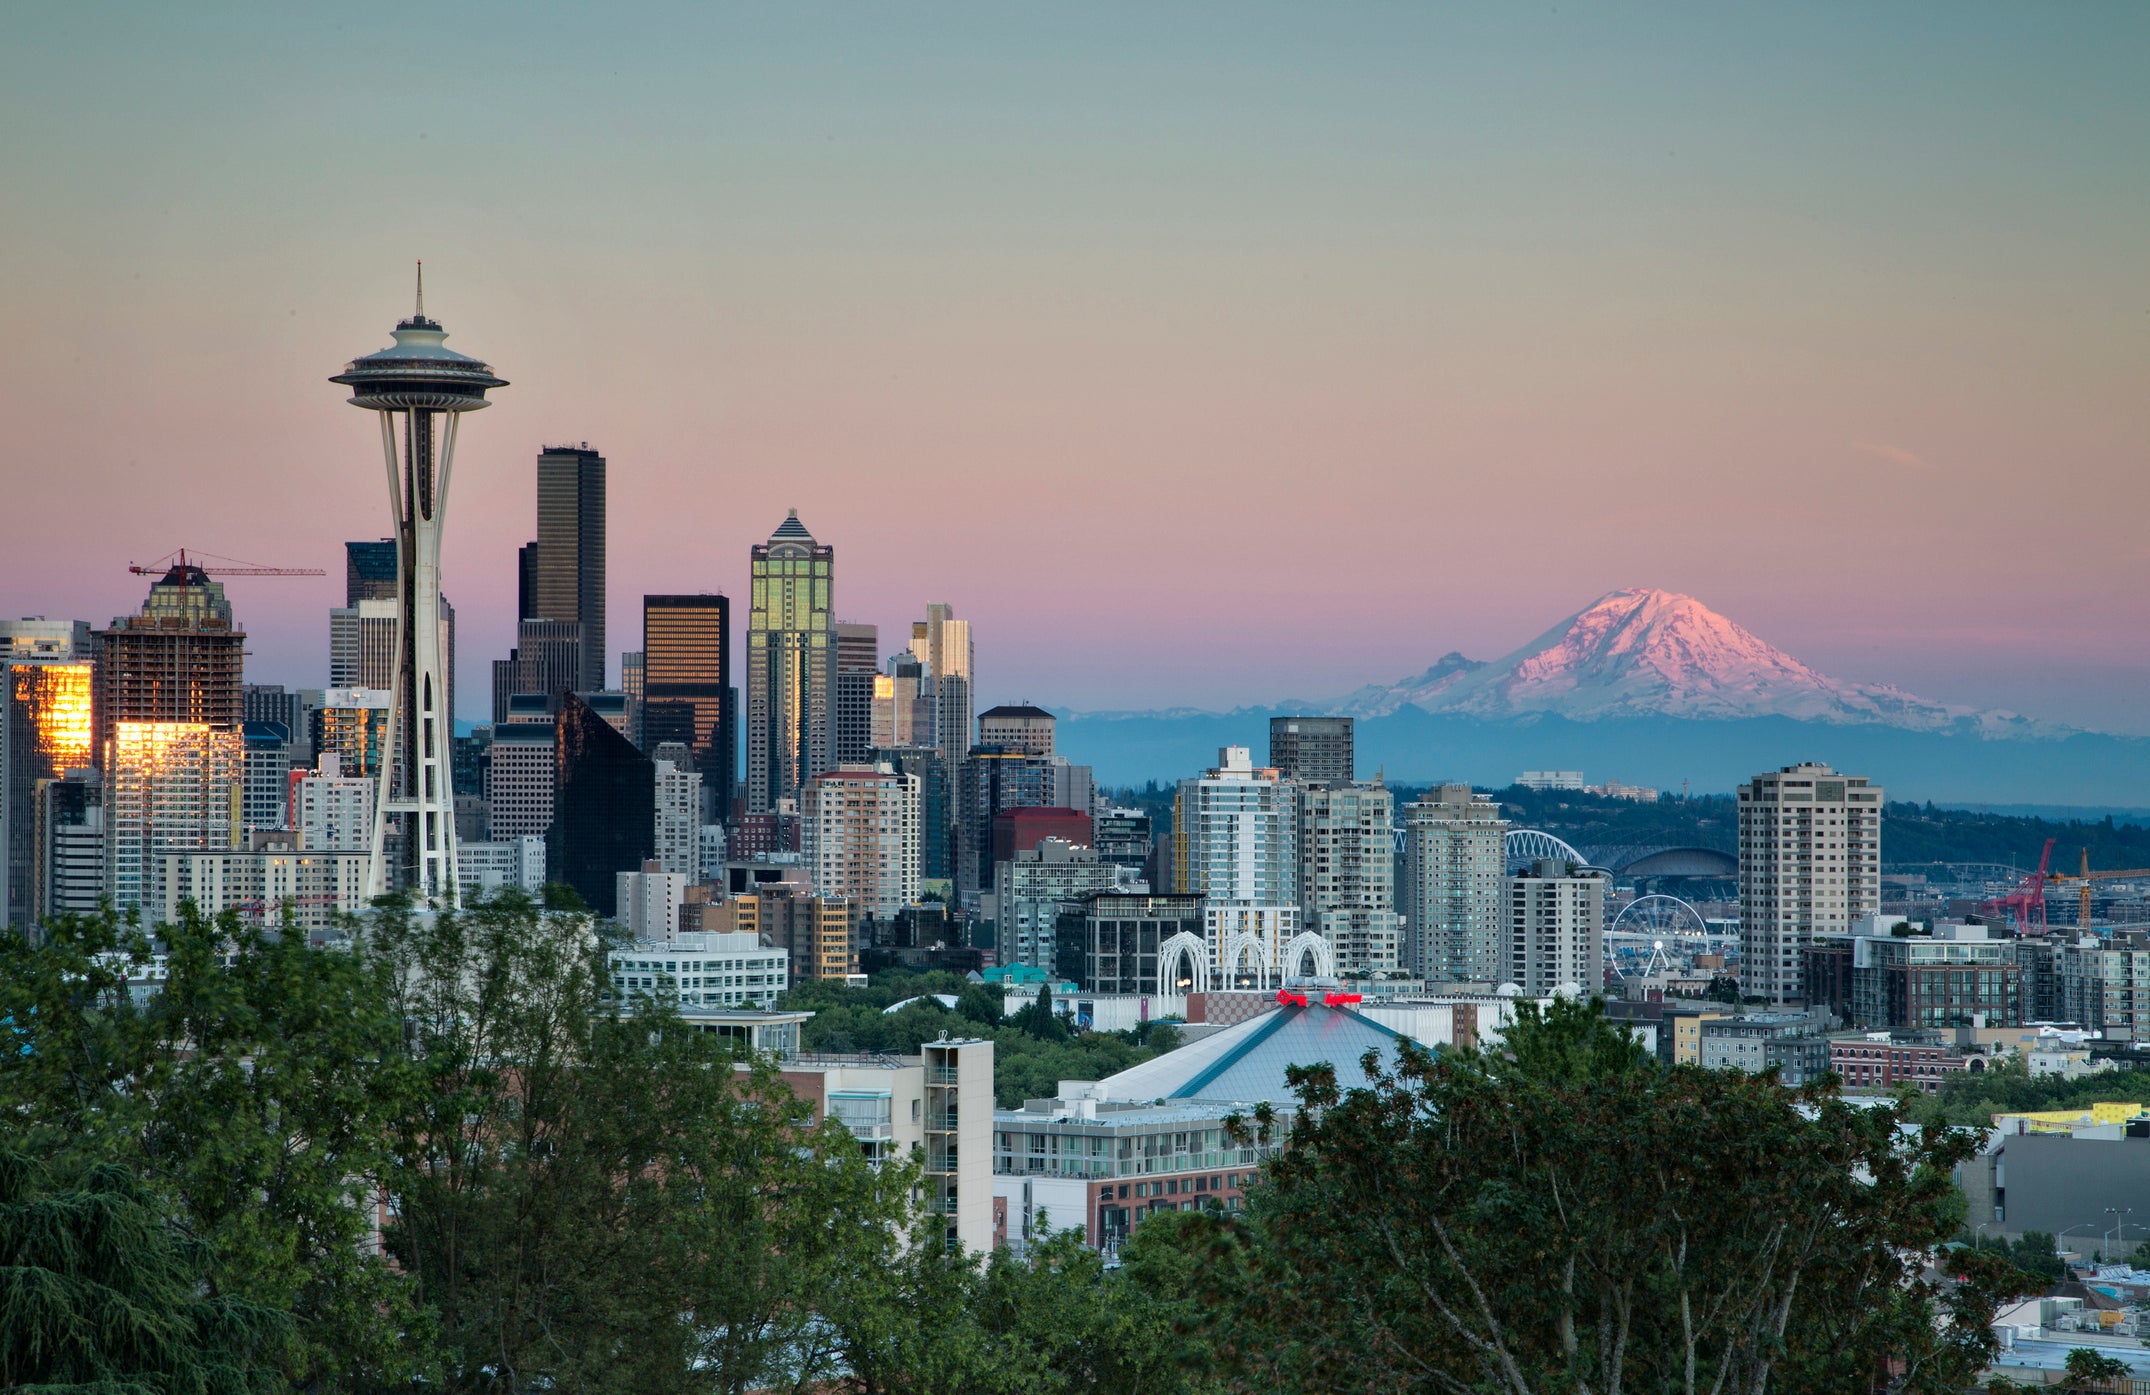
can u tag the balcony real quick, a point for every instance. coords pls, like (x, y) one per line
(943, 1075)
(941, 1122)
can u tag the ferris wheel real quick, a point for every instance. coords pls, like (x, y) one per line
(1659, 918)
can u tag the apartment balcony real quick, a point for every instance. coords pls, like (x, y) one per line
(943, 1075)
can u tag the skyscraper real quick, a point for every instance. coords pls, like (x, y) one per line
(369, 571)
(1018, 727)
(1456, 855)
(687, 693)
(1809, 863)
(182, 659)
(1236, 846)
(943, 644)
(604, 802)
(858, 663)
(859, 837)
(1347, 872)
(45, 731)
(1312, 748)
(171, 788)
(678, 817)
(362, 644)
(428, 387)
(1556, 929)
(570, 581)
(791, 665)
(526, 582)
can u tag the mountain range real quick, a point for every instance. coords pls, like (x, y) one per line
(1650, 687)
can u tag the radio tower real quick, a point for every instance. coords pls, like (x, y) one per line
(428, 387)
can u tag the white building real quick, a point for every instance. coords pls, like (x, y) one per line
(1809, 864)
(1556, 930)
(312, 888)
(484, 868)
(170, 787)
(1455, 858)
(519, 779)
(1235, 843)
(712, 846)
(859, 836)
(678, 846)
(1347, 874)
(702, 969)
(332, 810)
(648, 902)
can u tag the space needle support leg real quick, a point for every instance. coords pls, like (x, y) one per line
(377, 863)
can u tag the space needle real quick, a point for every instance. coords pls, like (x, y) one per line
(428, 387)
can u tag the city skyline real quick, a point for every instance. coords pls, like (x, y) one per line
(1469, 296)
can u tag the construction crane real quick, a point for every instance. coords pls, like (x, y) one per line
(225, 566)
(2086, 877)
(2025, 906)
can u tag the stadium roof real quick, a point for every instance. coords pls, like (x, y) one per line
(1246, 1062)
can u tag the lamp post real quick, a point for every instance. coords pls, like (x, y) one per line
(2060, 1241)
(2118, 1213)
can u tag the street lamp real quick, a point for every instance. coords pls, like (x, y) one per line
(2117, 1213)
(2060, 1241)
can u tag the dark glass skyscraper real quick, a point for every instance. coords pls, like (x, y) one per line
(604, 806)
(687, 692)
(1312, 748)
(571, 551)
(858, 664)
(791, 664)
(369, 571)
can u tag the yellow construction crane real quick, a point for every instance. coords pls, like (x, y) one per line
(2086, 877)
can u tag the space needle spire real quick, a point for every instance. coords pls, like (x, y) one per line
(419, 388)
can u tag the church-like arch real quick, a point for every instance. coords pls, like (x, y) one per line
(1183, 964)
(1309, 955)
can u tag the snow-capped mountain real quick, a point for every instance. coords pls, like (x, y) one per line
(1649, 653)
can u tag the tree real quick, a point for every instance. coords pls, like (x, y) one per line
(1041, 1012)
(605, 1202)
(250, 1096)
(101, 1290)
(2088, 1368)
(1570, 1215)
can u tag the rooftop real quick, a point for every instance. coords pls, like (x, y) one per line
(1247, 1062)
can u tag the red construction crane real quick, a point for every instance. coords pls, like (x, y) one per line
(225, 566)
(2026, 904)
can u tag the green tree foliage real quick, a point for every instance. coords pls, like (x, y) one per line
(1972, 1098)
(1574, 1216)
(2036, 1253)
(100, 1290)
(600, 1202)
(2088, 1368)
(250, 1095)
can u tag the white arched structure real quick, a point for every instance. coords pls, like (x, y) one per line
(1304, 943)
(1528, 845)
(1244, 962)
(1188, 949)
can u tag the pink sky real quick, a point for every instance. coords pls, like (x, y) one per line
(1193, 365)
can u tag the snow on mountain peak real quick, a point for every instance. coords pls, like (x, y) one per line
(1643, 652)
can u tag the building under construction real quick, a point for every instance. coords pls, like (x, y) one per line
(182, 659)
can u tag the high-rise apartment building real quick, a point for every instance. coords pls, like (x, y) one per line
(45, 731)
(1347, 873)
(352, 723)
(1033, 889)
(1018, 727)
(791, 665)
(332, 809)
(858, 670)
(1312, 748)
(687, 692)
(68, 869)
(369, 572)
(678, 829)
(819, 933)
(604, 798)
(1556, 929)
(859, 837)
(519, 780)
(936, 830)
(1236, 845)
(1455, 861)
(264, 800)
(570, 581)
(1809, 864)
(181, 659)
(362, 643)
(942, 644)
(170, 788)
(1124, 837)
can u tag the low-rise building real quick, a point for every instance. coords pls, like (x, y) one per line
(1888, 1059)
(701, 970)
(1143, 945)
(1106, 1166)
(484, 868)
(264, 886)
(1792, 1043)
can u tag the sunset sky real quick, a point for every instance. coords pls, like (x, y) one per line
(1198, 354)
